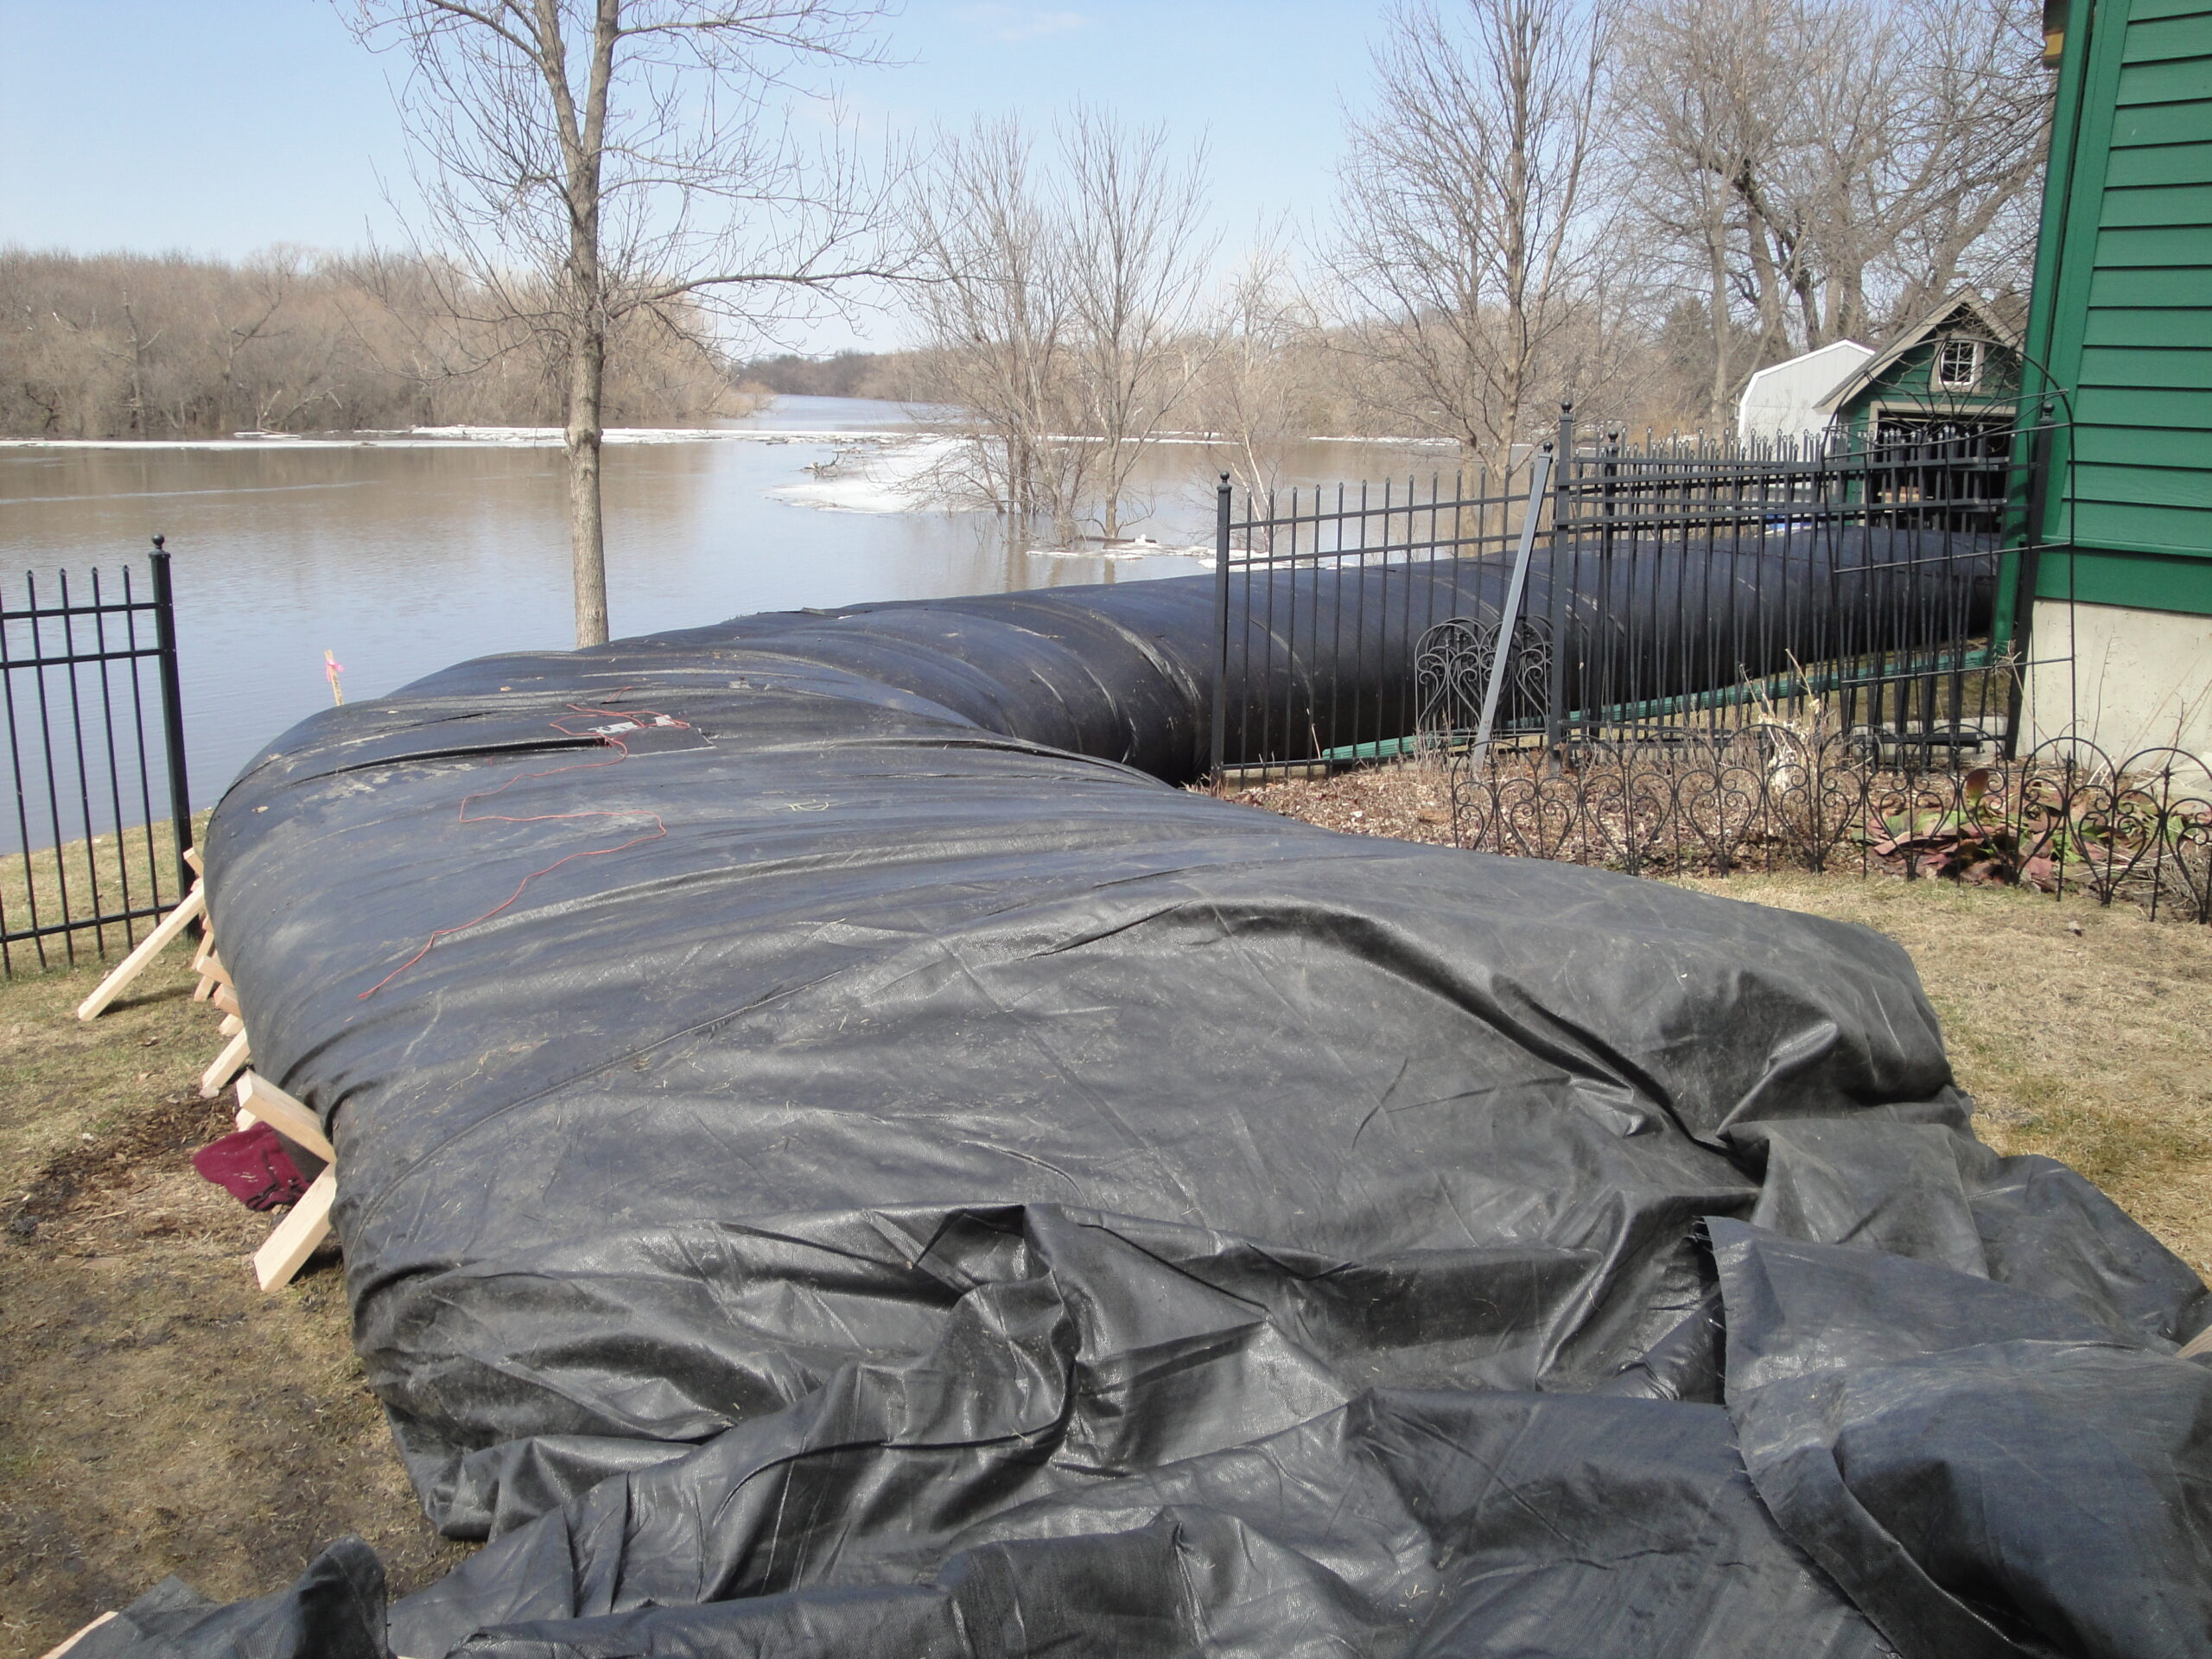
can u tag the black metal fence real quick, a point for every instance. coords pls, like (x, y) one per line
(1713, 658)
(95, 735)
(1649, 590)
(1321, 599)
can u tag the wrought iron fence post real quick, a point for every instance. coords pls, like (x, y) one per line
(1555, 678)
(1220, 740)
(172, 712)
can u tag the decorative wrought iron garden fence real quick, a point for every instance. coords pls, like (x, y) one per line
(2065, 816)
(98, 806)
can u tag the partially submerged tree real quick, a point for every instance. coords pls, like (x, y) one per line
(995, 313)
(1059, 304)
(1266, 382)
(589, 164)
(1135, 261)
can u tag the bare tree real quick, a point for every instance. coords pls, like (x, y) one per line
(1060, 303)
(132, 344)
(1826, 166)
(1707, 98)
(1134, 260)
(588, 161)
(995, 306)
(1266, 381)
(1464, 206)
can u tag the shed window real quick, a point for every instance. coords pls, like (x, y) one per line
(1958, 366)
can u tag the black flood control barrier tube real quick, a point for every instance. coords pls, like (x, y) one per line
(1322, 658)
(822, 1173)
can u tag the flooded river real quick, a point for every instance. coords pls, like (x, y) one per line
(402, 555)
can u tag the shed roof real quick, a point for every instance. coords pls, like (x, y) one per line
(1943, 315)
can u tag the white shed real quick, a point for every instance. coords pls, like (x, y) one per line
(1783, 401)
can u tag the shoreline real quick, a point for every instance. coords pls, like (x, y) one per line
(477, 437)
(549, 437)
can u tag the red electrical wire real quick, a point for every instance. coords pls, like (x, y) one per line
(660, 828)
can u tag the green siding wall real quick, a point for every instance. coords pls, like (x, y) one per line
(2123, 307)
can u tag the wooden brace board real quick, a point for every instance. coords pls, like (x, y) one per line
(194, 906)
(261, 1101)
(235, 1054)
(296, 1236)
(56, 1653)
(201, 960)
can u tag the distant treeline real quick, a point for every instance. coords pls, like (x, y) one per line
(846, 374)
(139, 345)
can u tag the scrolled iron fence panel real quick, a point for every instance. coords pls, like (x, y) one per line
(98, 805)
(1718, 659)
(2064, 817)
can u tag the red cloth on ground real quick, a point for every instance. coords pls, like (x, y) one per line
(253, 1167)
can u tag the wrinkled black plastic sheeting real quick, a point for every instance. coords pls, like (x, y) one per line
(2029, 1485)
(944, 1195)
(335, 1611)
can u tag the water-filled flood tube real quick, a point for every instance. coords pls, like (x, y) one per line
(846, 1178)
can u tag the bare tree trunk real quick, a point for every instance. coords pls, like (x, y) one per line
(1459, 244)
(1716, 248)
(587, 530)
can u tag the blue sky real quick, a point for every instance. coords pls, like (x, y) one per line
(221, 126)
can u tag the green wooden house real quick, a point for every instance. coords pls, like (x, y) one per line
(1955, 373)
(2112, 602)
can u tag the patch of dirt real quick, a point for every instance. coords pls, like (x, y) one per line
(158, 1413)
(1405, 803)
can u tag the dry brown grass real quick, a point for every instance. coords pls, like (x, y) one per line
(2081, 1031)
(55, 882)
(158, 1413)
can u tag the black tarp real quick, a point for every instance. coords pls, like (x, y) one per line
(845, 1178)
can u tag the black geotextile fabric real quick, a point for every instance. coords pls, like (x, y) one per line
(871, 1183)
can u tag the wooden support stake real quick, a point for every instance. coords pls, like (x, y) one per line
(2199, 1343)
(297, 1235)
(194, 905)
(56, 1653)
(192, 857)
(201, 958)
(231, 1025)
(263, 1100)
(225, 999)
(235, 1054)
(216, 971)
